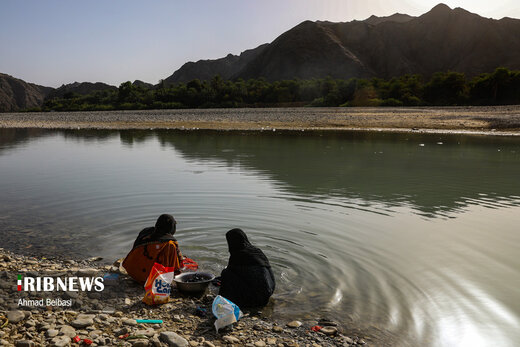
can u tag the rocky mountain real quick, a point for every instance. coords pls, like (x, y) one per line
(81, 88)
(205, 69)
(440, 40)
(311, 49)
(16, 94)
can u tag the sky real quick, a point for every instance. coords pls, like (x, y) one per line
(55, 42)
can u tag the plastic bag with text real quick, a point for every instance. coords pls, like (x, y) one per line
(158, 285)
(226, 312)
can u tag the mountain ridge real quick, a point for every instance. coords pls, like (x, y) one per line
(396, 17)
(441, 39)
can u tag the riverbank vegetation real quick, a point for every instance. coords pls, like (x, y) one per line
(443, 89)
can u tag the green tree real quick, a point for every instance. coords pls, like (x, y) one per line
(446, 88)
(127, 93)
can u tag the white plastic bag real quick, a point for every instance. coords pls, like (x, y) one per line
(226, 312)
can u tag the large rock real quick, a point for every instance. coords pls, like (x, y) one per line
(139, 343)
(52, 333)
(15, 316)
(83, 321)
(67, 330)
(173, 339)
(128, 321)
(277, 329)
(147, 332)
(294, 324)
(329, 330)
(60, 341)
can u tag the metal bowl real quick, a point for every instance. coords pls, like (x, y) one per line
(184, 285)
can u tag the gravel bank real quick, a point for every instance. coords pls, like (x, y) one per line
(503, 120)
(109, 317)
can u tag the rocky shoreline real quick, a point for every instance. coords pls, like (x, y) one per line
(479, 120)
(108, 317)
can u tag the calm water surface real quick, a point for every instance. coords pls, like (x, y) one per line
(412, 234)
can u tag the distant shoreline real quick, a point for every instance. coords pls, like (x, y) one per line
(482, 120)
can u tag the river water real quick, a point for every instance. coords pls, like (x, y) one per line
(412, 235)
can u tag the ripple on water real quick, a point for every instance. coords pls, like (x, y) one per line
(400, 241)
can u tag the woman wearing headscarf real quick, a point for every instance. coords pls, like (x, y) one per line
(248, 280)
(154, 245)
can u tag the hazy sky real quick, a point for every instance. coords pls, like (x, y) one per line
(51, 42)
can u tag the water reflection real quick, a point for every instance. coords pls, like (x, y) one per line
(446, 174)
(435, 179)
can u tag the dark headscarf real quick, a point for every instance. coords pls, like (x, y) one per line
(242, 252)
(165, 224)
(163, 231)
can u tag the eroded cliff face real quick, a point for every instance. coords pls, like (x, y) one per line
(16, 94)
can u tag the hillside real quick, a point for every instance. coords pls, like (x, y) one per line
(141, 84)
(440, 40)
(205, 69)
(80, 88)
(16, 94)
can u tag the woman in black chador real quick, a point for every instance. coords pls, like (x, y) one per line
(248, 280)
